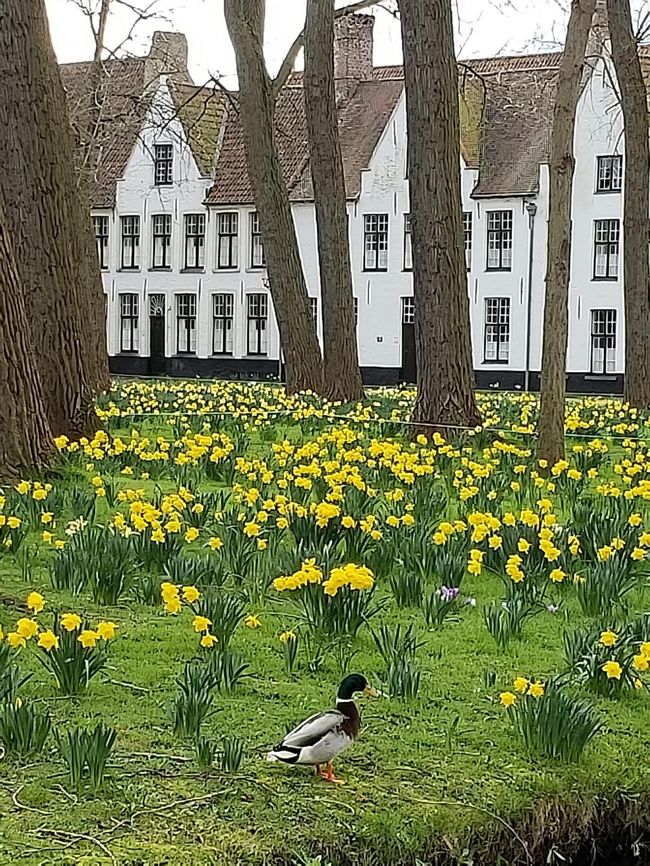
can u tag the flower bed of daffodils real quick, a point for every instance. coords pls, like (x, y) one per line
(197, 578)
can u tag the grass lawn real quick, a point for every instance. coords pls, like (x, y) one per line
(440, 777)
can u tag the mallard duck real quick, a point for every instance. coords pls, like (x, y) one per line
(323, 737)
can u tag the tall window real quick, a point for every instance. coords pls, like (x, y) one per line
(467, 234)
(356, 310)
(497, 331)
(603, 341)
(313, 307)
(130, 243)
(100, 224)
(499, 257)
(129, 334)
(222, 316)
(162, 241)
(609, 174)
(375, 242)
(186, 324)
(258, 314)
(258, 259)
(408, 311)
(194, 241)
(606, 242)
(408, 244)
(227, 240)
(163, 164)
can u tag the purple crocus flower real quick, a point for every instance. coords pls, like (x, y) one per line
(449, 593)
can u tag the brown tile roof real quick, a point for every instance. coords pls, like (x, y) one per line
(122, 115)
(362, 119)
(202, 112)
(505, 108)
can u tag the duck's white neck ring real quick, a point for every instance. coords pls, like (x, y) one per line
(345, 700)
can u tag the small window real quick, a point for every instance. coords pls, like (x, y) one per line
(497, 331)
(100, 224)
(194, 241)
(356, 311)
(603, 341)
(163, 164)
(408, 311)
(606, 245)
(313, 306)
(186, 324)
(408, 244)
(258, 259)
(162, 241)
(609, 173)
(499, 240)
(130, 260)
(129, 334)
(467, 232)
(375, 242)
(257, 308)
(222, 322)
(227, 241)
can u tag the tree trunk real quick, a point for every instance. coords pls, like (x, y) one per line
(561, 170)
(57, 263)
(442, 324)
(636, 276)
(25, 437)
(298, 338)
(340, 355)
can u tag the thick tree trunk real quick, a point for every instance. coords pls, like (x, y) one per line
(442, 323)
(340, 354)
(636, 276)
(561, 170)
(25, 437)
(298, 338)
(55, 255)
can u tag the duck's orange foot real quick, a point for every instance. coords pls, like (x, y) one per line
(328, 775)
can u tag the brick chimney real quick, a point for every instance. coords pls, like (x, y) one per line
(168, 56)
(353, 45)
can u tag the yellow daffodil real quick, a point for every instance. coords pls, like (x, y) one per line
(208, 640)
(106, 630)
(286, 636)
(70, 621)
(536, 690)
(613, 670)
(88, 638)
(252, 621)
(48, 640)
(641, 662)
(507, 699)
(35, 602)
(521, 684)
(608, 638)
(201, 623)
(191, 594)
(16, 640)
(27, 628)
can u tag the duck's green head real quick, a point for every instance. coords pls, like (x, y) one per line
(354, 683)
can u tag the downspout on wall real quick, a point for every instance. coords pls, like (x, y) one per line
(531, 210)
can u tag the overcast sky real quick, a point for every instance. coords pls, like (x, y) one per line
(484, 28)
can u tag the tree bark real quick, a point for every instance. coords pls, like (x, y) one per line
(298, 338)
(342, 376)
(25, 437)
(636, 276)
(561, 171)
(442, 323)
(56, 259)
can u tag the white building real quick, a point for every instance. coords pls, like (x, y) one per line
(183, 259)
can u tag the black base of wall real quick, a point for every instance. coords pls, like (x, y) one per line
(266, 370)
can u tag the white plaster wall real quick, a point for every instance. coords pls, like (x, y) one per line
(598, 133)
(384, 189)
(138, 195)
